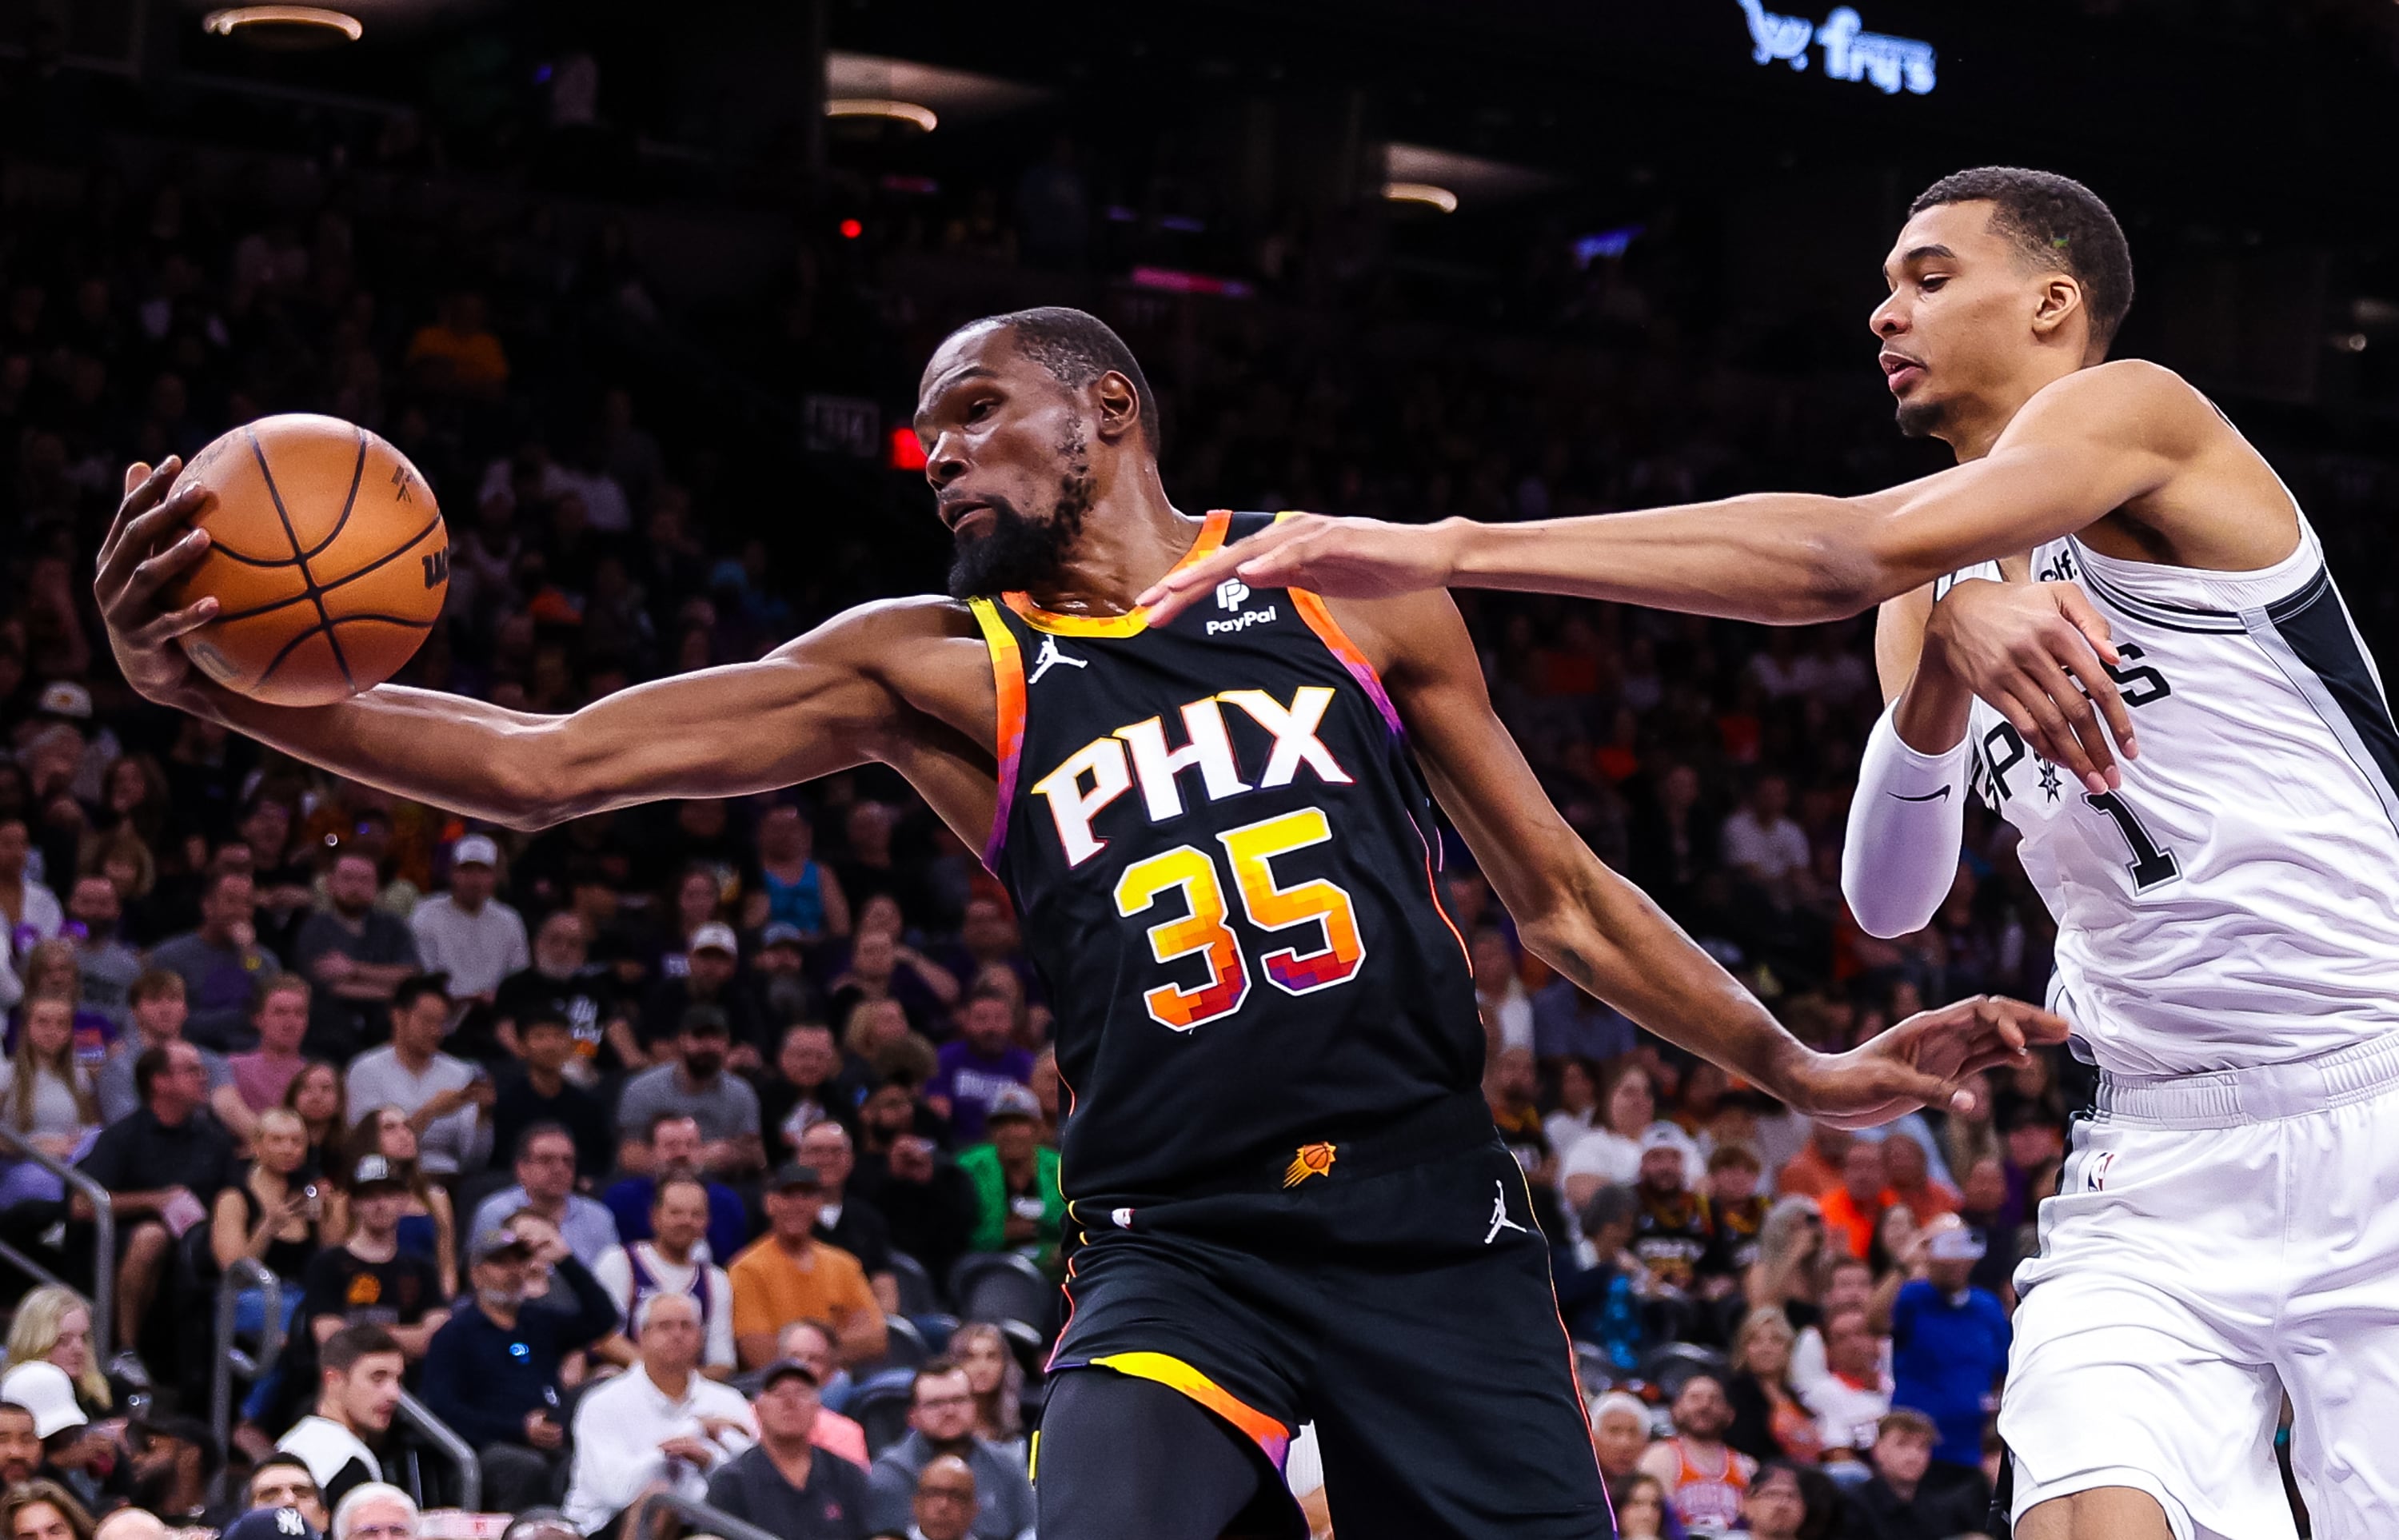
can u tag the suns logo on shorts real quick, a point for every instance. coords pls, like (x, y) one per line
(1312, 1160)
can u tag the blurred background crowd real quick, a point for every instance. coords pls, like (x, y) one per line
(710, 1146)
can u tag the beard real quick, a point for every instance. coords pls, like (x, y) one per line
(1920, 419)
(1020, 552)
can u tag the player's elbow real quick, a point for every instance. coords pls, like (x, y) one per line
(540, 781)
(1843, 569)
(1884, 908)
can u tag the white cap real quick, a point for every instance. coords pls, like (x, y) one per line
(42, 1388)
(1955, 1243)
(475, 850)
(1667, 1136)
(65, 698)
(715, 935)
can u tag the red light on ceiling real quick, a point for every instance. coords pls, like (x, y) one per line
(850, 229)
(907, 450)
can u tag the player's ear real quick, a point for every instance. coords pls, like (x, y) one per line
(1119, 405)
(2059, 300)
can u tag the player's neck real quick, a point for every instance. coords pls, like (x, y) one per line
(1971, 426)
(1131, 536)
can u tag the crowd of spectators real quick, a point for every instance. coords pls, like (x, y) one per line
(647, 1149)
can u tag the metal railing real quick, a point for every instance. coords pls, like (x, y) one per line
(458, 1451)
(245, 1273)
(103, 1222)
(641, 1520)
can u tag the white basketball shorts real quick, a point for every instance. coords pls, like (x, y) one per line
(2216, 1241)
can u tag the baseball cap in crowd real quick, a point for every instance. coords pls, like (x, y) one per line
(1012, 1101)
(715, 935)
(492, 1240)
(375, 1171)
(272, 1524)
(64, 698)
(704, 1022)
(781, 1367)
(475, 850)
(782, 935)
(42, 1388)
(792, 1175)
(1666, 1135)
(1954, 1244)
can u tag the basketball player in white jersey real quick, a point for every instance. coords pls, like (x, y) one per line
(2227, 891)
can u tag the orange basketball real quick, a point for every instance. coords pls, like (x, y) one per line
(326, 557)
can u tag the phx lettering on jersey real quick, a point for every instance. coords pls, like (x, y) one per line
(1105, 769)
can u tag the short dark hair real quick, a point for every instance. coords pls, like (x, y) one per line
(545, 1129)
(151, 982)
(676, 1179)
(280, 983)
(149, 1067)
(544, 1016)
(2054, 220)
(343, 1350)
(416, 986)
(1077, 348)
(935, 1367)
(1727, 1155)
(661, 1118)
(1906, 1419)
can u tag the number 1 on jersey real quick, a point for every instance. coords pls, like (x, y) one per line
(2150, 865)
(1268, 907)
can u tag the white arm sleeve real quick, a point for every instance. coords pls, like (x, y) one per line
(1900, 856)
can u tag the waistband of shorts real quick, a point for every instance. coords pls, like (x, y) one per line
(1433, 1131)
(2261, 1094)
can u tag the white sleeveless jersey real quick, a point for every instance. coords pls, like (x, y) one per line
(2237, 902)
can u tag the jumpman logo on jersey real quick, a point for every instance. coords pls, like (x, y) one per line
(1499, 1220)
(1049, 657)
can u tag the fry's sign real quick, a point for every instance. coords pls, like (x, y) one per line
(1850, 52)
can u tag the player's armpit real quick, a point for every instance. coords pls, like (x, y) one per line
(818, 704)
(1579, 917)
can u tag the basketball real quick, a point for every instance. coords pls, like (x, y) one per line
(327, 557)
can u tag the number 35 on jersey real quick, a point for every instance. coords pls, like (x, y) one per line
(1314, 916)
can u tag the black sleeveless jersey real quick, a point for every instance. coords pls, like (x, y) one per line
(1224, 862)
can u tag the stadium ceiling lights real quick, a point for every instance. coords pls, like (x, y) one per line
(285, 26)
(878, 106)
(1425, 193)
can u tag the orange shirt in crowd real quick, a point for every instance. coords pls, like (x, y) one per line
(770, 1290)
(1807, 1174)
(1928, 1202)
(1844, 1221)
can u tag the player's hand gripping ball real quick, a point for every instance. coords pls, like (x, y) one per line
(327, 557)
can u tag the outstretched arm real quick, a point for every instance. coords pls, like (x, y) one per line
(2086, 446)
(812, 707)
(1605, 935)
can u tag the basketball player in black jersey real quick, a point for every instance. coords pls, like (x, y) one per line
(1290, 1198)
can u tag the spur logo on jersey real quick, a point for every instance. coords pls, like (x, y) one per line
(1097, 774)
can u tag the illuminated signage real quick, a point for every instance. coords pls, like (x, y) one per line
(1850, 52)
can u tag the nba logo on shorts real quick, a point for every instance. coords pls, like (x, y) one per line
(1230, 592)
(2099, 1170)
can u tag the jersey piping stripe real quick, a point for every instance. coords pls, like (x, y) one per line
(2088, 572)
(2311, 639)
(1312, 610)
(1008, 684)
(1133, 621)
(1574, 1366)
(2172, 618)
(1173, 1372)
(1318, 616)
